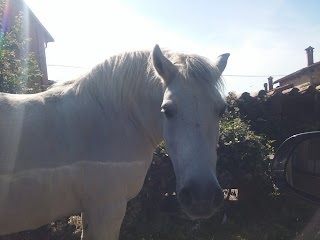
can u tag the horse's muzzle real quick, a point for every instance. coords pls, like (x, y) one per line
(200, 200)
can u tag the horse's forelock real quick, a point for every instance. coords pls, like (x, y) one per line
(198, 68)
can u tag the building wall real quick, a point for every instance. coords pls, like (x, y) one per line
(315, 77)
(310, 75)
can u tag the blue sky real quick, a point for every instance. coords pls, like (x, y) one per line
(264, 37)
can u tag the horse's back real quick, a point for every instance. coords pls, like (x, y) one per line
(17, 111)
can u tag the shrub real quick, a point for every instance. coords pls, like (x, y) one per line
(243, 155)
(18, 66)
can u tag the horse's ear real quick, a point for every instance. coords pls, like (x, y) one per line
(221, 62)
(165, 69)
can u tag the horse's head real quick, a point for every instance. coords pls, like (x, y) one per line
(192, 107)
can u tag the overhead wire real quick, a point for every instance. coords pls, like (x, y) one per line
(225, 75)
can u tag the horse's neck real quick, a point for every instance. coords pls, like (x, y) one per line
(147, 115)
(138, 102)
(135, 126)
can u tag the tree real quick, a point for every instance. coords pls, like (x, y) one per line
(18, 66)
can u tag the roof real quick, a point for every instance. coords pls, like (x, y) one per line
(48, 37)
(289, 89)
(286, 90)
(22, 6)
(299, 72)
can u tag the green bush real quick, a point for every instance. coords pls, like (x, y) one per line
(18, 66)
(243, 154)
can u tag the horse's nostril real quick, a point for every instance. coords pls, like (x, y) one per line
(185, 197)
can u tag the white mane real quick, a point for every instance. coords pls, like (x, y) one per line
(122, 76)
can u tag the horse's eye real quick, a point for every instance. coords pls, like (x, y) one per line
(168, 110)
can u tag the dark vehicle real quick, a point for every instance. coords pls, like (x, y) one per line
(296, 166)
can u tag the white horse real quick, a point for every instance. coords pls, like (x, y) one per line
(86, 145)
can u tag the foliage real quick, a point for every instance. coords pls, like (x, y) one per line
(280, 116)
(243, 154)
(18, 66)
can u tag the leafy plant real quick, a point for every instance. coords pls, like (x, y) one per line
(243, 154)
(18, 66)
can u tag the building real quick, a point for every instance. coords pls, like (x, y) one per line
(38, 34)
(309, 75)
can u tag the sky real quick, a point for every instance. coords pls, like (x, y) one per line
(264, 38)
